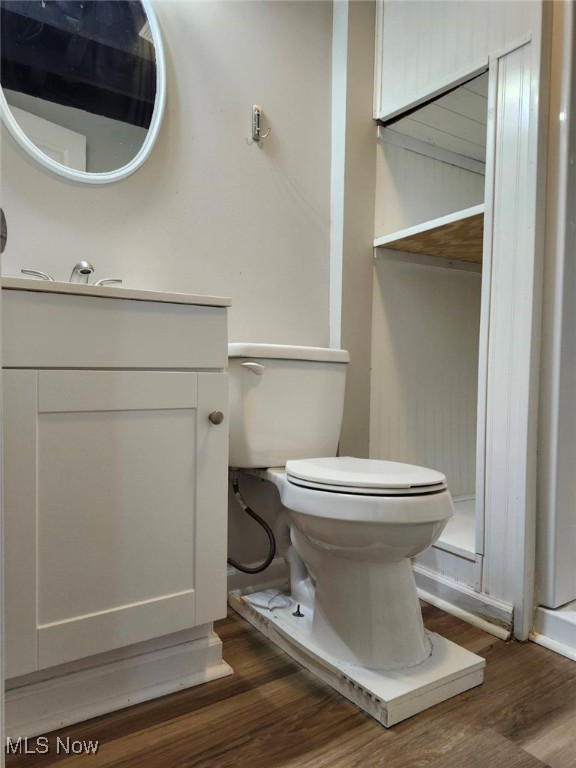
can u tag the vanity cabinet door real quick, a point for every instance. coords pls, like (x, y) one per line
(116, 510)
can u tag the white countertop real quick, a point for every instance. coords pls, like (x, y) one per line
(112, 292)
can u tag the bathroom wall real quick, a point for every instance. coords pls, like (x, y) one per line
(208, 212)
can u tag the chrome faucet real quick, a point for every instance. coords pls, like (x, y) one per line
(81, 272)
(36, 273)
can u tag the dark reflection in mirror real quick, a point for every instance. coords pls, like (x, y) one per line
(87, 66)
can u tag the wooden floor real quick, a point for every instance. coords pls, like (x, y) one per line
(274, 714)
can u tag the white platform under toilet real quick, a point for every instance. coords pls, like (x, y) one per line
(352, 528)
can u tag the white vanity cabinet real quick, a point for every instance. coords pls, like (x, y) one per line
(115, 470)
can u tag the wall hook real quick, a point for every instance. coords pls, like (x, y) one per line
(257, 134)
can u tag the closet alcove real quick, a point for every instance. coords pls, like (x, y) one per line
(429, 227)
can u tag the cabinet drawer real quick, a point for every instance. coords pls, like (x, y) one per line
(42, 330)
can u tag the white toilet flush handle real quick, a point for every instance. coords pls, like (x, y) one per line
(256, 368)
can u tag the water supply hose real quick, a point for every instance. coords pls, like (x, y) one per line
(260, 521)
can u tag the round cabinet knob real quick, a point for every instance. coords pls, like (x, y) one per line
(216, 417)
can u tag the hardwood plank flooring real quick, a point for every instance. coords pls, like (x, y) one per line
(274, 714)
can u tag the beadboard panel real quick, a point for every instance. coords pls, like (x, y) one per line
(511, 383)
(424, 48)
(456, 122)
(424, 369)
(470, 100)
(426, 125)
(412, 188)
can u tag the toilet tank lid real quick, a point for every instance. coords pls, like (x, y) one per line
(288, 352)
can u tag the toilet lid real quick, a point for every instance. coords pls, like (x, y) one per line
(345, 474)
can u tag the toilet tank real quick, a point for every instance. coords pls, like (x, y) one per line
(285, 403)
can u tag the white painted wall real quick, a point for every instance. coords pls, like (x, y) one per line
(208, 213)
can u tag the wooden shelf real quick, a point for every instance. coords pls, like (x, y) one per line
(456, 236)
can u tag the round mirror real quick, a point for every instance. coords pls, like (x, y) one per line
(83, 84)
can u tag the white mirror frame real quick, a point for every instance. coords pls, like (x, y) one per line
(109, 176)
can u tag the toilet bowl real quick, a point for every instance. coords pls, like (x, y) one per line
(353, 523)
(356, 524)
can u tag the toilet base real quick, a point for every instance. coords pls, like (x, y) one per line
(388, 696)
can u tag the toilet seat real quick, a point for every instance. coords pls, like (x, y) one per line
(349, 475)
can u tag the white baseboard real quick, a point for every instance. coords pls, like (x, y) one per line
(553, 645)
(56, 702)
(555, 629)
(481, 610)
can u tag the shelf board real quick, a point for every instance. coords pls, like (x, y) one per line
(456, 236)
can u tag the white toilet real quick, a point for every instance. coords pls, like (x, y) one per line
(354, 523)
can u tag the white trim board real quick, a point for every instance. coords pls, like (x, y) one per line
(441, 221)
(86, 693)
(556, 629)
(481, 610)
(553, 645)
(485, 307)
(513, 340)
(338, 169)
